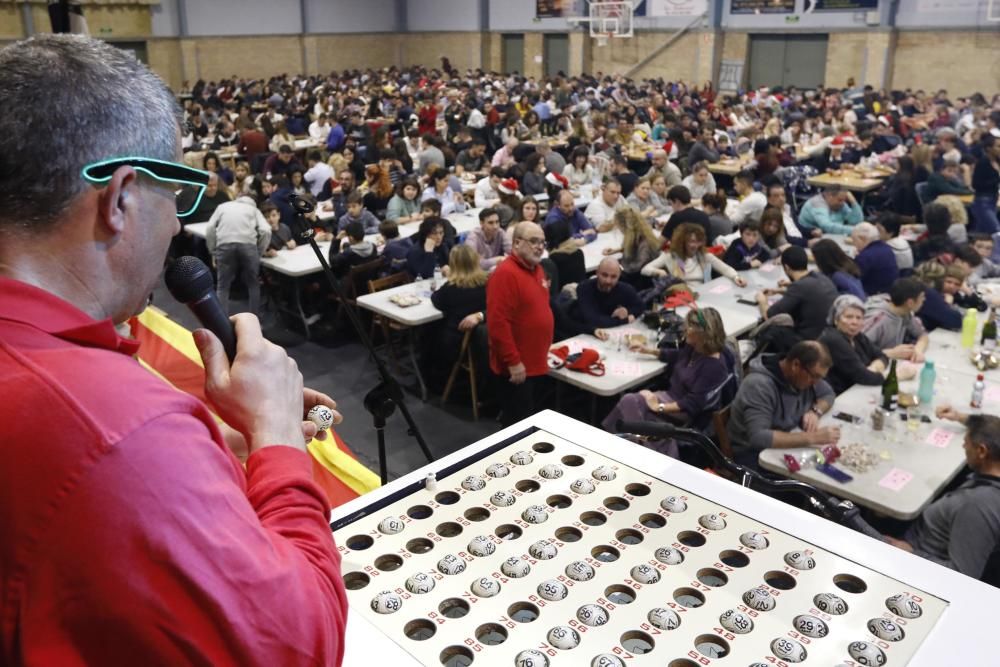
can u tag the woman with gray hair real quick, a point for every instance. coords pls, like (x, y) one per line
(856, 360)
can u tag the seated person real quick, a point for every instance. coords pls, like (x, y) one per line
(604, 301)
(747, 252)
(404, 206)
(472, 160)
(601, 210)
(351, 251)
(640, 244)
(533, 181)
(462, 301)
(214, 196)
(778, 397)
(984, 245)
(441, 191)
(777, 198)
(646, 202)
(624, 176)
(396, 248)
(487, 192)
(833, 211)
(751, 203)
(566, 211)
(875, 259)
(947, 180)
(855, 359)
(772, 233)
(891, 324)
(684, 212)
(714, 206)
(961, 530)
(888, 227)
(943, 283)
(834, 263)
(686, 260)
(807, 299)
(936, 241)
(488, 240)
(356, 212)
(431, 208)
(281, 235)
(696, 375)
(700, 181)
(565, 253)
(428, 252)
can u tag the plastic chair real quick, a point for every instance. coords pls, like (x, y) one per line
(922, 195)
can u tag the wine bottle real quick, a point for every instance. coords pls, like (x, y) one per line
(890, 389)
(989, 339)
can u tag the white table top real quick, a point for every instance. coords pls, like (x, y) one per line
(623, 369)
(422, 313)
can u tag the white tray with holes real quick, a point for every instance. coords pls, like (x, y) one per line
(548, 550)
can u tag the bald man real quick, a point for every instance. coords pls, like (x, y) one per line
(604, 301)
(661, 164)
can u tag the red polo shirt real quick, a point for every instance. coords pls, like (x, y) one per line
(518, 318)
(129, 534)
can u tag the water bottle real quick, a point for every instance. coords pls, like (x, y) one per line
(977, 392)
(436, 280)
(969, 324)
(927, 377)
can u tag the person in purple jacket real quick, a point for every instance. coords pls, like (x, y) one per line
(875, 258)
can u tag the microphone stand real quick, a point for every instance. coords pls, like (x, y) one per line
(387, 395)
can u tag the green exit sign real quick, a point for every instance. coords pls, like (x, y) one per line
(792, 19)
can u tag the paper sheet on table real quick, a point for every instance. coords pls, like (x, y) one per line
(767, 267)
(721, 288)
(625, 368)
(939, 437)
(895, 479)
(992, 395)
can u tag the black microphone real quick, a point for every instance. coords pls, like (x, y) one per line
(190, 282)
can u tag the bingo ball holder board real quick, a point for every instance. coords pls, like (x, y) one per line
(553, 543)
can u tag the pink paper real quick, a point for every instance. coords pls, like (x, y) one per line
(895, 479)
(767, 268)
(939, 437)
(992, 394)
(721, 288)
(626, 368)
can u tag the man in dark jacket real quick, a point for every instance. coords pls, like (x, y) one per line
(807, 299)
(604, 301)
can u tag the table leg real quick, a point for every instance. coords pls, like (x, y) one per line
(297, 303)
(416, 367)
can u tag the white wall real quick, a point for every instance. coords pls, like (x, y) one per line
(448, 15)
(345, 16)
(166, 22)
(946, 14)
(243, 17)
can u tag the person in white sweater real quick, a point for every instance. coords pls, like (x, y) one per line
(687, 260)
(579, 171)
(601, 210)
(752, 203)
(237, 235)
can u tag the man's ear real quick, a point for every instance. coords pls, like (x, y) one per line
(116, 197)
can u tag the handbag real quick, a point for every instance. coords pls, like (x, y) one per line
(587, 360)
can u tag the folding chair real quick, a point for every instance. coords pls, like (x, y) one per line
(466, 362)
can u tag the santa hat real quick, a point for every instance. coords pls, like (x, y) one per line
(508, 186)
(557, 180)
(668, 146)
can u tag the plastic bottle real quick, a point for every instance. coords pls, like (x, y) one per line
(969, 324)
(977, 392)
(436, 280)
(927, 377)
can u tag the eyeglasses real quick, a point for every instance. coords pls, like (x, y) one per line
(101, 172)
(537, 243)
(813, 375)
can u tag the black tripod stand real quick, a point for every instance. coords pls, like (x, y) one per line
(381, 401)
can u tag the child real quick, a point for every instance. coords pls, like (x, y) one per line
(281, 235)
(714, 205)
(432, 209)
(356, 212)
(747, 252)
(352, 251)
(396, 248)
(888, 227)
(983, 244)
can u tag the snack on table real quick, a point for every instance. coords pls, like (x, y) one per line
(859, 457)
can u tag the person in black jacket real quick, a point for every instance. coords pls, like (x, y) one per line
(986, 184)
(936, 242)
(462, 301)
(428, 252)
(747, 252)
(901, 194)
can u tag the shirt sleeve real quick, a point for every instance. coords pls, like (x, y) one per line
(787, 303)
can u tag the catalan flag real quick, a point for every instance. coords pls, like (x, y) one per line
(168, 351)
(67, 16)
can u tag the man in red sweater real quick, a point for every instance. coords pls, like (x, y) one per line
(130, 533)
(519, 321)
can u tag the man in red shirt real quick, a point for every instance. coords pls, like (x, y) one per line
(519, 321)
(129, 531)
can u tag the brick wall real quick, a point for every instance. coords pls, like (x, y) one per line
(960, 61)
(11, 24)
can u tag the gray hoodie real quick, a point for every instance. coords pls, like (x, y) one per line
(766, 402)
(886, 329)
(238, 222)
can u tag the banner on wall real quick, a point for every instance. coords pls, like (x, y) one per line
(840, 5)
(730, 76)
(762, 6)
(548, 9)
(672, 7)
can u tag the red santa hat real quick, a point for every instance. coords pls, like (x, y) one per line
(508, 186)
(557, 180)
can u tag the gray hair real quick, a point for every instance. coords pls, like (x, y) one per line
(866, 231)
(73, 100)
(842, 303)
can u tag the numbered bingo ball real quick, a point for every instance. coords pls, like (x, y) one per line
(451, 564)
(543, 550)
(788, 649)
(503, 498)
(606, 660)
(473, 483)
(736, 621)
(712, 522)
(420, 583)
(579, 570)
(485, 587)
(753, 540)
(515, 568)
(531, 658)
(582, 485)
(550, 471)
(830, 603)
(386, 602)
(391, 525)
(535, 514)
(903, 605)
(497, 470)
(799, 560)
(552, 590)
(481, 546)
(645, 574)
(563, 637)
(669, 556)
(322, 416)
(604, 473)
(810, 626)
(664, 619)
(592, 615)
(885, 629)
(759, 599)
(521, 458)
(673, 504)
(866, 653)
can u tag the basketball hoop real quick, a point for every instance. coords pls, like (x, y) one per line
(607, 20)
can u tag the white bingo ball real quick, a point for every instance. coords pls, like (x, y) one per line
(579, 570)
(391, 525)
(759, 599)
(810, 626)
(604, 473)
(473, 483)
(535, 514)
(799, 560)
(386, 602)
(497, 470)
(736, 621)
(753, 540)
(552, 590)
(521, 458)
(582, 485)
(503, 498)
(673, 504)
(788, 649)
(664, 619)
(669, 556)
(712, 521)
(830, 603)
(550, 471)
(758, 664)
(481, 546)
(903, 605)
(543, 550)
(322, 416)
(531, 658)
(485, 587)
(515, 567)
(451, 564)
(420, 583)
(885, 629)
(593, 615)
(866, 653)
(645, 574)
(606, 660)
(564, 637)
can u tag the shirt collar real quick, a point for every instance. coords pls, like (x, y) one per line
(21, 302)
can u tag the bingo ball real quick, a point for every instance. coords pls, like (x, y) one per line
(664, 619)
(903, 605)
(582, 485)
(550, 471)
(579, 570)
(552, 590)
(865, 653)
(485, 587)
(451, 564)
(531, 658)
(736, 621)
(604, 473)
(885, 629)
(606, 660)
(386, 602)
(759, 599)
(420, 583)
(799, 560)
(645, 574)
(391, 525)
(543, 550)
(497, 470)
(810, 626)
(712, 521)
(535, 514)
(473, 483)
(752, 540)
(481, 546)
(521, 458)
(830, 603)
(564, 637)
(503, 498)
(322, 416)
(592, 615)
(788, 649)
(515, 568)
(673, 504)
(669, 556)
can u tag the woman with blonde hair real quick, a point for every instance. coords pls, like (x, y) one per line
(923, 162)
(687, 260)
(462, 300)
(958, 231)
(281, 137)
(640, 244)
